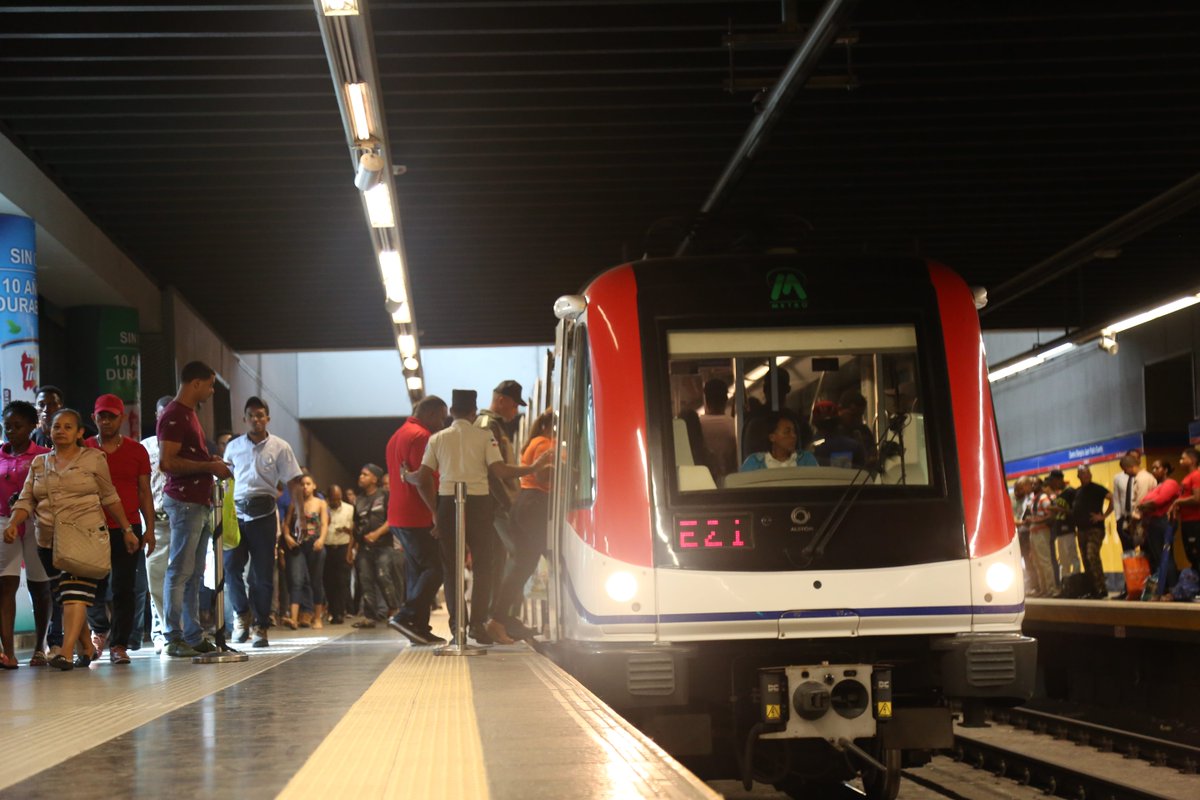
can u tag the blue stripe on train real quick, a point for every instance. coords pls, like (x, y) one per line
(822, 613)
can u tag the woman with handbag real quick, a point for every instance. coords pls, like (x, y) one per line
(67, 492)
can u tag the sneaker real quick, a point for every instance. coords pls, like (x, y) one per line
(204, 646)
(159, 644)
(260, 638)
(479, 634)
(117, 655)
(406, 630)
(179, 649)
(99, 641)
(241, 627)
(39, 659)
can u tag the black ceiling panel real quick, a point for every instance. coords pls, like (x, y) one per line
(545, 141)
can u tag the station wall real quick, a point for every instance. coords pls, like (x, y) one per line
(1088, 395)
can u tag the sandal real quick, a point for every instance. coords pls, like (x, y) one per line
(38, 660)
(60, 662)
(8, 662)
(288, 622)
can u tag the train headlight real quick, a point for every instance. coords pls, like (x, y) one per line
(621, 586)
(999, 577)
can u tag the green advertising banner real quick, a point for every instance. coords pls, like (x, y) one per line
(105, 349)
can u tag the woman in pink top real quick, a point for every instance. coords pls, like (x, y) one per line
(20, 418)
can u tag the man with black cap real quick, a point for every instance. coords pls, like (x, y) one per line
(499, 419)
(373, 540)
(465, 453)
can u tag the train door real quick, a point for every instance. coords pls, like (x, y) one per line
(567, 344)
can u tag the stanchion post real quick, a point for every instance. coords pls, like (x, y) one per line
(459, 646)
(224, 654)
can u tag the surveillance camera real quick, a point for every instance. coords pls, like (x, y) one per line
(979, 295)
(370, 171)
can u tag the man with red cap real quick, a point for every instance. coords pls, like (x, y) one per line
(129, 466)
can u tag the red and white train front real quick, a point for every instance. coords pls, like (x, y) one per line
(780, 521)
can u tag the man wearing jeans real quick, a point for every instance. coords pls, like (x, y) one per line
(262, 464)
(185, 460)
(411, 521)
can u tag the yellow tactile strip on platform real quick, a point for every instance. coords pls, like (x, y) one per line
(412, 734)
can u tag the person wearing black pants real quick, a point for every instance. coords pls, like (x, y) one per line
(129, 467)
(338, 559)
(466, 454)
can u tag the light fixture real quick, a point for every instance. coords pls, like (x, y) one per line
(411, 363)
(761, 369)
(1108, 343)
(401, 314)
(1152, 314)
(392, 268)
(360, 117)
(369, 172)
(379, 206)
(407, 344)
(415, 384)
(339, 8)
(1032, 361)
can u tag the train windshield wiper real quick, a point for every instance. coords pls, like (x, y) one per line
(816, 548)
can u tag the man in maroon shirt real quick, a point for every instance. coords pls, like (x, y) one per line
(129, 467)
(185, 460)
(411, 521)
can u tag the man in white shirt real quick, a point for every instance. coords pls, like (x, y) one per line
(156, 562)
(262, 464)
(466, 454)
(1128, 490)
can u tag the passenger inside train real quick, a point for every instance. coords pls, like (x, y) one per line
(819, 406)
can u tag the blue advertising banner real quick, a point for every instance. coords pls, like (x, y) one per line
(18, 308)
(1073, 456)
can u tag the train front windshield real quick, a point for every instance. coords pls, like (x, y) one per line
(813, 406)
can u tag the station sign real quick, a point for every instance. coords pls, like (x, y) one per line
(19, 354)
(1107, 450)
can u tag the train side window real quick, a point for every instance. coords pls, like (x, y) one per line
(584, 469)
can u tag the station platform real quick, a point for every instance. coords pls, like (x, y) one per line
(332, 713)
(1121, 619)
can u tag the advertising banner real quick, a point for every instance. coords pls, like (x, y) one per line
(18, 309)
(105, 358)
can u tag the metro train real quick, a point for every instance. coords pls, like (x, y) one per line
(801, 624)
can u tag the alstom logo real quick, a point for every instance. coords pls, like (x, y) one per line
(787, 290)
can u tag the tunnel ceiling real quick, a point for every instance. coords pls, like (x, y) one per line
(545, 141)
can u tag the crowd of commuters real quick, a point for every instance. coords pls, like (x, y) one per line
(1062, 528)
(112, 532)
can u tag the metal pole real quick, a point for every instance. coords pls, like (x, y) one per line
(459, 646)
(224, 654)
(832, 16)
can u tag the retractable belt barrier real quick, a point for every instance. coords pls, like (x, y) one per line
(459, 646)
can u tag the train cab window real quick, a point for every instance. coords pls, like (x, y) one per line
(796, 407)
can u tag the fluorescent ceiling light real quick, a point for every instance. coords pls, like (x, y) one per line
(407, 344)
(379, 206)
(402, 315)
(1029, 363)
(392, 268)
(339, 8)
(357, 95)
(411, 363)
(415, 384)
(1154, 313)
(761, 370)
